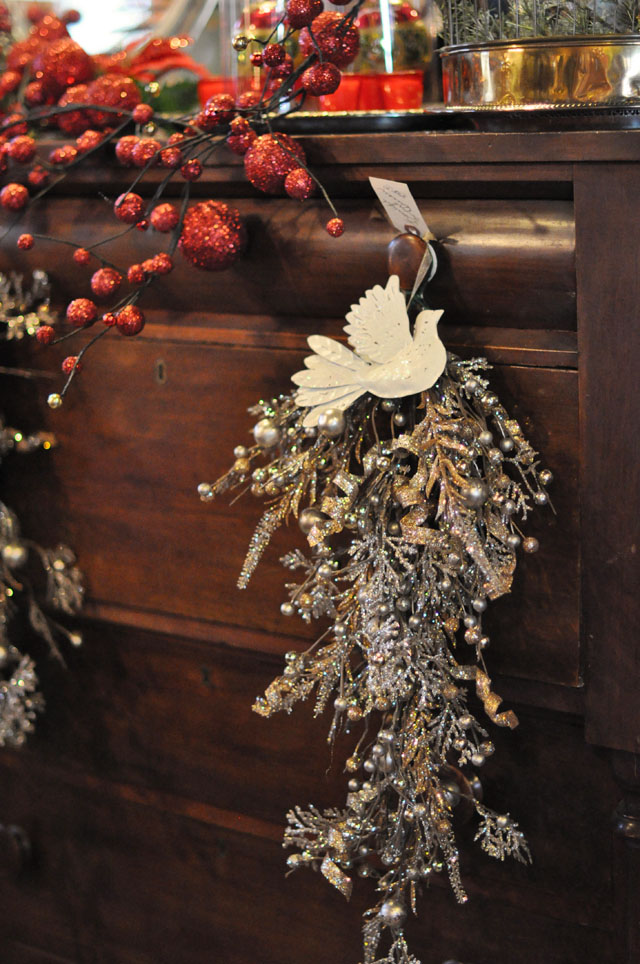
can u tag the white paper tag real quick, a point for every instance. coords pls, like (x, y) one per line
(400, 207)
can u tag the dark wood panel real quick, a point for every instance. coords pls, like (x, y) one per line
(609, 340)
(17, 952)
(493, 251)
(121, 507)
(120, 714)
(126, 881)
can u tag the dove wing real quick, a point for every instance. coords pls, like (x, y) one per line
(332, 375)
(378, 326)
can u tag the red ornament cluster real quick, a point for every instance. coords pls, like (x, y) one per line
(213, 236)
(269, 159)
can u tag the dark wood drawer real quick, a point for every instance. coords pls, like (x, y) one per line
(132, 452)
(494, 251)
(129, 876)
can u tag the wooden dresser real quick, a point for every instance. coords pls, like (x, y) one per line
(153, 797)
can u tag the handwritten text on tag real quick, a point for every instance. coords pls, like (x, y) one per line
(400, 206)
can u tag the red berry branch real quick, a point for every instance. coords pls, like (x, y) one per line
(50, 81)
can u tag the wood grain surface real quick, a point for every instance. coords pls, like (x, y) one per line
(153, 797)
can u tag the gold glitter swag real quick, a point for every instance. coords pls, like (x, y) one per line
(411, 509)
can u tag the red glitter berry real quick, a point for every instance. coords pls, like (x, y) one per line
(338, 39)
(162, 263)
(283, 69)
(219, 109)
(175, 139)
(9, 81)
(136, 275)
(112, 90)
(88, 141)
(45, 334)
(171, 157)
(240, 143)
(81, 256)
(61, 156)
(14, 124)
(299, 184)
(300, 13)
(38, 177)
(62, 64)
(164, 217)
(25, 242)
(74, 122)
(105, 281)
(321, 79)
(273, 54)
(69, 364)
(81, 312)
(213, 235)
(130, 320)
(269, 160)
(143, 225)
(142, 113)
(335, 227)
(129, 208)
(256, 59)
(21, 149)
(191, 170)
(109, 319)
(146, 152)
(124, 147)
(35, 94)
(249, 99)
(50, 28)
(13, 197)
(147, 266)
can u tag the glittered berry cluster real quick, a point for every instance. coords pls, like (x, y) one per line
(99, 105)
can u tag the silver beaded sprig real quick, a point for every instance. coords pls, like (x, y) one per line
(20, 701)
(412, 509)
(24, 309)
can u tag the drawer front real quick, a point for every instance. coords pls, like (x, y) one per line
(126, 876)
(493, 252)
(132, 452)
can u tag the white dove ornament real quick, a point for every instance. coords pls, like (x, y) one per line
(387, 360)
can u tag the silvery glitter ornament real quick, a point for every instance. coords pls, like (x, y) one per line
(332, 422)
(266, 433)
(392, 913)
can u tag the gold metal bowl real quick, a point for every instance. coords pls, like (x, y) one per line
(545, 72)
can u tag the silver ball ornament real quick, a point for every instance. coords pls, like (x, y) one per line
(309, 518)
(485, 438)
(392, 913)
(475, 494)
(266, 433)
(14, 555)
(332, 422)
(507, 445)
(287, 609)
